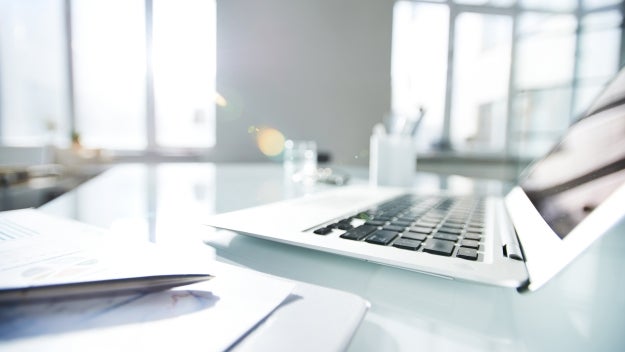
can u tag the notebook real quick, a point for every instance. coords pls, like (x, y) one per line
(564, 201)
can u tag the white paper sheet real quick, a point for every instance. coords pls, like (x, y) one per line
(38, 250)
(208, 316)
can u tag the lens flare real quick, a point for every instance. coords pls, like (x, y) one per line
(220, 100)
(270, 141)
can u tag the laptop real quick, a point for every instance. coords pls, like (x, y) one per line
(564, 201)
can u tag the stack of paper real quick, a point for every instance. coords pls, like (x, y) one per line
(40, 251)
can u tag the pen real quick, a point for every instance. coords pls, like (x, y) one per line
(415, 125)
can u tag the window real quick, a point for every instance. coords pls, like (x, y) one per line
(33, 73)
(481, 54)
(126, 75)
(109, 71)
(501, 77)
(419, 80)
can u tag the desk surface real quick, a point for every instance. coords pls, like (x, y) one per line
(581, 309)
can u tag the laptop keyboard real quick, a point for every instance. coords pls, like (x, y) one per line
(445, 226)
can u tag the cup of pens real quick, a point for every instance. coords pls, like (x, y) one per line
(393, 152)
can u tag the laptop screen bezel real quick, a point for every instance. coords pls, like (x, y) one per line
(546, 253)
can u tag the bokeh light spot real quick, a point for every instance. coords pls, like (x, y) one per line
(220, 100)
(270, 141)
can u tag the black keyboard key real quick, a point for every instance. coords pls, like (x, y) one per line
(382, 237)
(420, 229)
(472, 236)
(429, 224)
(446, 236)
(414, 236)
(345, 226)
(439, 247)
(470, 244)
(323, 230)
(358, 233)
(454, 224)
(394, 228)
(407, 243)
(375, 223)
(467, 253)
(401, 223)
(452, 231)
(430, 220)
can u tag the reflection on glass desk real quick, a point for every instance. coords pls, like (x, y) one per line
(34, 185)
(581, 309)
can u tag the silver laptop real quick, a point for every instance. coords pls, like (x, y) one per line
(564, 202)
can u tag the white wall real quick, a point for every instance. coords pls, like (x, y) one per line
(313, 69)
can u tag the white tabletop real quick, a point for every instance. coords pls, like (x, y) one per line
(581, 309)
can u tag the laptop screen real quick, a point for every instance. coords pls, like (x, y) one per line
(585, 167)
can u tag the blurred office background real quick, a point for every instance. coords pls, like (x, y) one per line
(89, 83)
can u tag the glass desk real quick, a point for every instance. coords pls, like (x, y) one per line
(580, 310)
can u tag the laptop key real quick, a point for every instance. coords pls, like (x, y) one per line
(323, 231)
(467, 253)
(446, 236)
(407, 243)
(401, 223)
(382, 237)
(422, 223)
(472, 236)
(358, 233)
(453, 225)
(439, 247)
(345, 226)
(414, 236)
(394, 228)
(420, 229)
(452, 231)
(375, 223)
(470, 244)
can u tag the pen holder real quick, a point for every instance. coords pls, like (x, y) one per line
(392, 160)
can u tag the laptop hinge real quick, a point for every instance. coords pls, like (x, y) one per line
(512, 251)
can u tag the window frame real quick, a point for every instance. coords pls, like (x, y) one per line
(152, 148)
(445, 148)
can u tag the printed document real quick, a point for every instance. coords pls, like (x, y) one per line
(38, 249)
